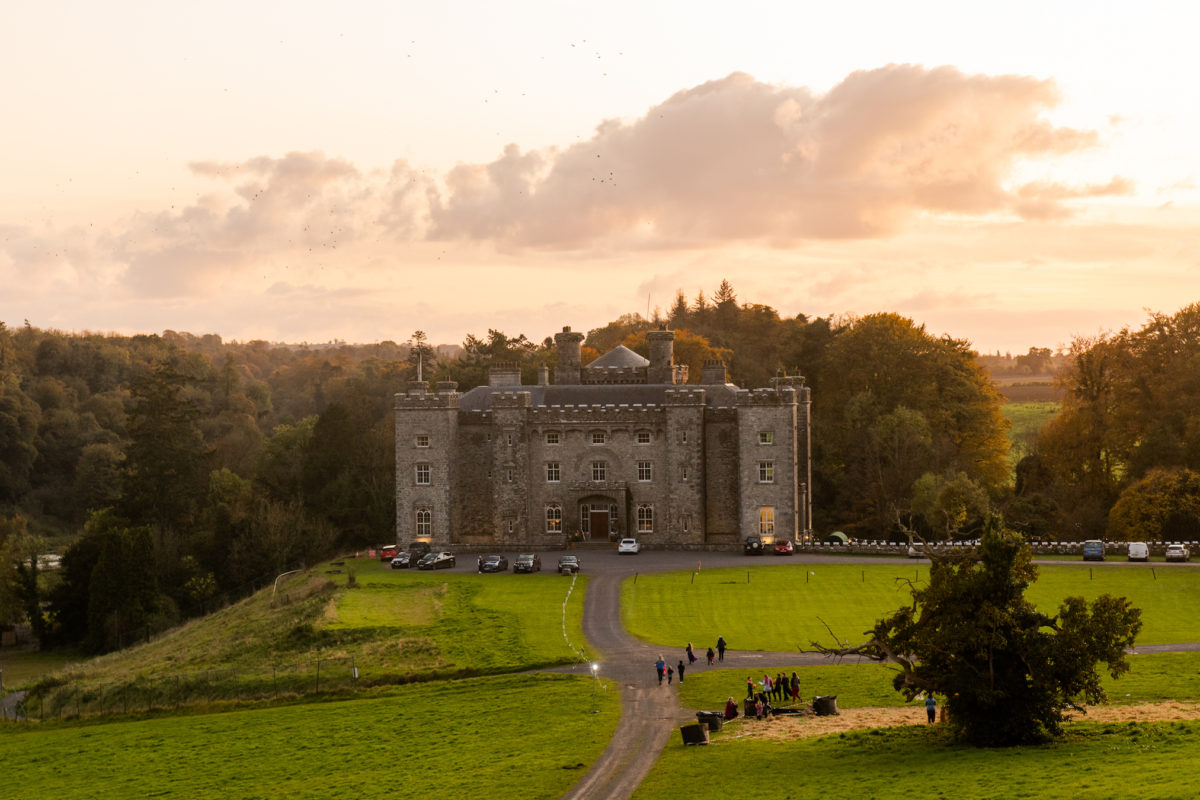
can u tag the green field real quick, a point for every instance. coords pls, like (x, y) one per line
(393, 627)
(783, 607)
(1094, 762)
(1026, 419)
(1153, 678)
(527, 736)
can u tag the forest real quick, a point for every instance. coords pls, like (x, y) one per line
(174, 472)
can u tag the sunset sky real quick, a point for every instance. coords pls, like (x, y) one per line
(294, 171)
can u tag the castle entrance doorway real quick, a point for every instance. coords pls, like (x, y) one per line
(598, 524)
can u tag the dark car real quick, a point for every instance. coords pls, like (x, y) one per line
(569, 564)
(418, 549)
(403, 561)
(436, 560)
(493, 564)
(783, 547)
(1093, 550)
(753, 546)
(528, 562)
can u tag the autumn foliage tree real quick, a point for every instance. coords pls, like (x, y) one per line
(1009, 672)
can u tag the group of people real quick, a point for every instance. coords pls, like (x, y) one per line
(665, 670)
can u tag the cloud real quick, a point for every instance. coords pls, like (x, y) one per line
(736, 159)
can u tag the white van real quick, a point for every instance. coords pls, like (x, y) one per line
(1138, 551)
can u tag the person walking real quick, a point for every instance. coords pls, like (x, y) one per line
(660, 667)
(711, 655)
(930, 707)
(721, 648)
(691, 655)
(670, 674)
(795, 687)
(681, 670)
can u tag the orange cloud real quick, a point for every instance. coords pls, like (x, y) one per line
(737, 159)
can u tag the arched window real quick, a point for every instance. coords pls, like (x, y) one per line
(645, 518)
(554, 518)
(424, 522)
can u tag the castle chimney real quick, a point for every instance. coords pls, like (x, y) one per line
(570, 347)
(662, 357)
(543, 375)
(713, 372)
(504, 373)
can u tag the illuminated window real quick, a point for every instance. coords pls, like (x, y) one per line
(766, 520)
(645, 519)
(554, 518)
(766, 472)
(766, 437)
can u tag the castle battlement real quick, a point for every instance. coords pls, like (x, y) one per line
(785, 396)
(418, 402)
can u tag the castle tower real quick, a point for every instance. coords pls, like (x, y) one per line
(662, 357)
(570, 346)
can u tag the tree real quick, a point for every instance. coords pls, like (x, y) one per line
(1009, 672)
(950, 506)
(123, 596)
(420, 356)
(1163, 506)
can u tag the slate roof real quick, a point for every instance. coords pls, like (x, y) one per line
(619, 356)
(480, 398)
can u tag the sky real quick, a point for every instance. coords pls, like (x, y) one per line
(1013, 174)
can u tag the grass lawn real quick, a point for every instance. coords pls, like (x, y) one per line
(1094, 762)
(394, 627)
(781, 607)
(444, 739)
(1152, 678)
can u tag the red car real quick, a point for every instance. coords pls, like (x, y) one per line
(783, 547)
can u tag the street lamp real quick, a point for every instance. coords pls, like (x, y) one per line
(595, 680)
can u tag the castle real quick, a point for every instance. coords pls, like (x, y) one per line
(620, 447)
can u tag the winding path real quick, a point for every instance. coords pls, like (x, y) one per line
(650, 712)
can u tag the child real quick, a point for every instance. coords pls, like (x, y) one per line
(670, 674)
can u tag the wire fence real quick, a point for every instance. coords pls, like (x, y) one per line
(173, 690)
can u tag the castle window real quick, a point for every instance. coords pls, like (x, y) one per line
(599, 470)
(424, 522)
(552, 472)
(643, 437)
(766, 437)
(645, 471)
(598, 437)
(553, 437)
(683, 473)
(553, 518)
(510, 526)
(508, 475)
(766, 472)
(683, 437)
(645, 518)
(687, 521)
(508, 439)
(422, 474)
(766, 521)
(422, 440)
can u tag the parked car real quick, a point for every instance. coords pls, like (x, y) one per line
(403, 560)
(1178, 552)
(419, 549)
(1093, 550)
(1138, 551)
(783, 547)
(630, 546)
(569, 564)
(753, 546)
(528, 562)
(493, 564)
(388, 552)
(436, 560)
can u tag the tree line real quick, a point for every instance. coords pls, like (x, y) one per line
(172, 469)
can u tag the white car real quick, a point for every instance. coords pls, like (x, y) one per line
(1177, 552)
(630, 546)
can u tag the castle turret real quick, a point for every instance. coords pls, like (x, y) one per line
(570, 346)
(662, 357)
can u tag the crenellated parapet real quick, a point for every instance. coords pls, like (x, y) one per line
(783, 396)
(684, 396)
(507, 400)
(596, 376)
